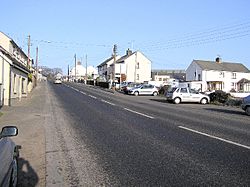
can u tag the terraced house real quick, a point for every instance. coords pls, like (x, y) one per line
(14, 71)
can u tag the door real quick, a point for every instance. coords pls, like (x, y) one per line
(185, 95)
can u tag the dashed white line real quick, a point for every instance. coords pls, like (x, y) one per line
(215, 137)
(139, 113)
(92, 96)
(83, 92)
(108, 102)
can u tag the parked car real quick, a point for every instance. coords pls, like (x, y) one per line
(178, 95)
(8, 157)
(144, 89)
(126, 87)
(246, 105)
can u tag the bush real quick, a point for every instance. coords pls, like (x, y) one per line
(163, 89)
(219, 96)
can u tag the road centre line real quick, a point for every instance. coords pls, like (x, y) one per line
(139, 113)
(92, 96)
(108, 102)
(83, 92)
(215, 137)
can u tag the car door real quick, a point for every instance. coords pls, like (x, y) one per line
(195, 96)
(185, 95)
(143, 90)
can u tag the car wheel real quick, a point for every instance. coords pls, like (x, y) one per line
(203, 101)
(248, 110)
(155, 94)
(13, 179)
(136, 93)
(177, 100)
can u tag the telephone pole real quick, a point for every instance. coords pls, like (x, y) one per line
(114, 53)
(75, 67)
(28, 62)
(86, 75)
(36, 65)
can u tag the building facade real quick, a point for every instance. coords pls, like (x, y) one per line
(14, 71)
(218, 75)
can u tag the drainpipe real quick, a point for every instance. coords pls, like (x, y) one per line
(10, 86)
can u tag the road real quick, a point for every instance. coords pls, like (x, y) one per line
(100, 138)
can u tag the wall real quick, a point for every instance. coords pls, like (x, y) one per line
(4, 79)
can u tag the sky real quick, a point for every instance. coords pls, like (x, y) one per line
(170, 33)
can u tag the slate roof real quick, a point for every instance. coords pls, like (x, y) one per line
(123, 58)
(105, 62)
(224, 66)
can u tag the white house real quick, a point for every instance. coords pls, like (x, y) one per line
(105, 69)
(14, 71)
(80, 72)
(218, 75)
(132, 67)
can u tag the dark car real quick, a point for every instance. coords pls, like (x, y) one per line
(246, 105)
(8, 157)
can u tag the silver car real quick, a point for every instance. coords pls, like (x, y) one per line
(8, 157)
(178, 95)
(144, 89)
(246, 105)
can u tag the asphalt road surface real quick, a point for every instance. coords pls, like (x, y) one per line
(100, 138)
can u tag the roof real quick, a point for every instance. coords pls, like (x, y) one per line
(105, 62)
(123, 58)
(244, 81)
(224, 66)
(15, 62)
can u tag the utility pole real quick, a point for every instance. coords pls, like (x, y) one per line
(75, 67)
(86, 61)
(36, 65)
(28, 62)
(114, 53)
(68, 73)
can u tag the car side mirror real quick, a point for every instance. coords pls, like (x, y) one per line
(9, 131)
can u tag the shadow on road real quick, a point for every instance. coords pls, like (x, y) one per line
(226, 111)
(160, 100)
(26, 174)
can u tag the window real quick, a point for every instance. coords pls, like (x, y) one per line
(199, 77)
(160, 79)
(137, 65)
(183, 90)
(222, 75)
(233, 75)
(15, 84)
(137, 77)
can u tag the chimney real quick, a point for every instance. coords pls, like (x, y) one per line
(218, 60)
(129, 52)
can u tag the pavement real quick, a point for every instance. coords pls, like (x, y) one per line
(28, 115)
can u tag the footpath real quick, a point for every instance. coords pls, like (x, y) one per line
(29, 116)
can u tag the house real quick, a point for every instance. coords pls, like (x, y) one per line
(14, 71)
(218, 75)
(79, 71)
(133, 67)
(105, 70)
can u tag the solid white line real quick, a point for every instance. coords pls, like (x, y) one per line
(92, 96)
(215, 137)
(139, 113)
(108, 102)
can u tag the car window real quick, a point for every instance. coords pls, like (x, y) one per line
(184, 90)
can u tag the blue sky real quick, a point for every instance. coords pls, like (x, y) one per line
(170, 33)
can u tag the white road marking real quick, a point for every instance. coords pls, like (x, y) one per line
(139, 113)
(92, 96)
(215, 137)
(83, 92)
(108, 102)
